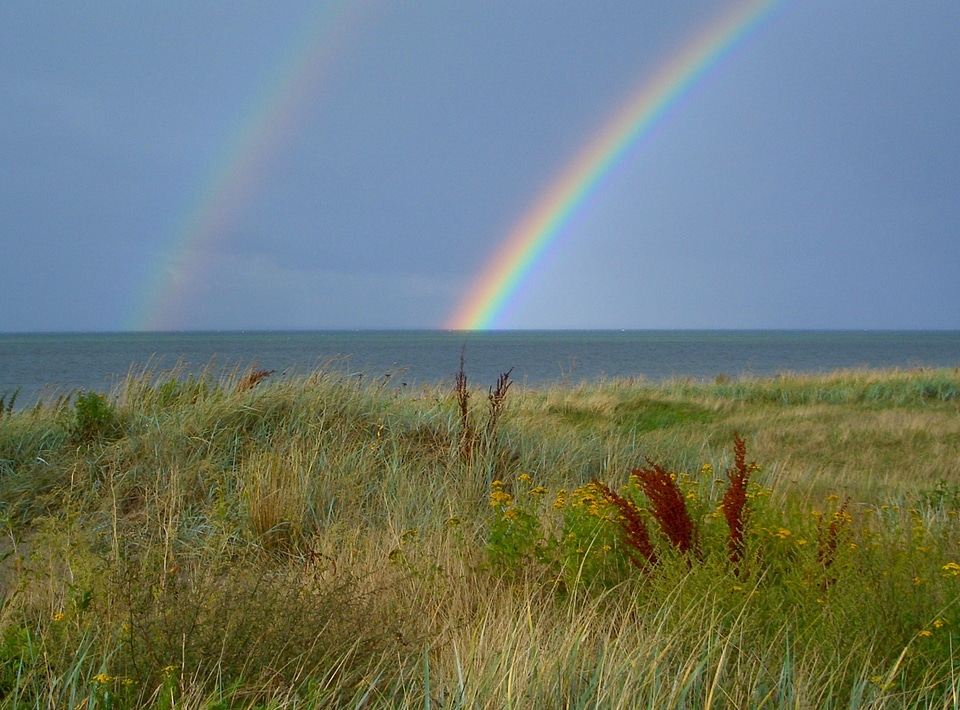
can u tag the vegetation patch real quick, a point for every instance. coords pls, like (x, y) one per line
(644, 414)
(259, 541)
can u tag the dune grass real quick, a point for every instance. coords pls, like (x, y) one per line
(251, 541)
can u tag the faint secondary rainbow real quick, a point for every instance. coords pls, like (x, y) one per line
(230, 183)
(499, 282)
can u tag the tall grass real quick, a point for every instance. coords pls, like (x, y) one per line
(323, 542)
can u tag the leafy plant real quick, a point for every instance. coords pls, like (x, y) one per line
(515, 537)
(16, 655)
(94, 419)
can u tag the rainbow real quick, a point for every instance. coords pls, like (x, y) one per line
(501, 279)
(226, 188)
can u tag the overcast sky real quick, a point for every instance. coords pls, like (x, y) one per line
(253, 165)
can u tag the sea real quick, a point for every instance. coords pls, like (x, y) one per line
(46, 365)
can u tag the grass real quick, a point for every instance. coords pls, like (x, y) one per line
(323, 542)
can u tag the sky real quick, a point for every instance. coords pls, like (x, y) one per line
(359, 164)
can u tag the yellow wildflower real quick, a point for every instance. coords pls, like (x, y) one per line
(58, 616)
(951, 569)
(538, 491)
(925, 634)
(524, 478)
(102, 678)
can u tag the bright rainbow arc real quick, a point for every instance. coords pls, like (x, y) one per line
(537, 230)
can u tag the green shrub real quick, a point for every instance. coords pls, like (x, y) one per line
(16, 652)
(94, 419)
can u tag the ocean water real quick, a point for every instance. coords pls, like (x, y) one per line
(47, 365)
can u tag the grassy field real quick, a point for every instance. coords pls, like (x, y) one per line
(325, 542)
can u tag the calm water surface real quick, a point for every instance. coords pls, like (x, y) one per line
(49, 364)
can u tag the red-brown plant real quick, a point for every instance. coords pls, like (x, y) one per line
(633, 531)
(497, 397)
(467, 434)
(829, 538)
(668, 507)
(734, 503)
(251, 378)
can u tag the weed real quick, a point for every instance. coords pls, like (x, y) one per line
(632, 528)
(251, 378)
(496, 397)
(734, 503)
(668, 506)
(830, 537)
(514, 538)
(467, 432)
(943, 496)
(470, 439)
(17, 655)
(94, 419)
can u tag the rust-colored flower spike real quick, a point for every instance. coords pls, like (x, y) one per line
(633, 531)
(252, 378)
(734, 501)
(668, 506)
(828, 539)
